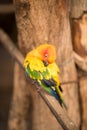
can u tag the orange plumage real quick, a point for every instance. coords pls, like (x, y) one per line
(48, 52)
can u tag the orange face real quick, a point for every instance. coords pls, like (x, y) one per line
(47, 52)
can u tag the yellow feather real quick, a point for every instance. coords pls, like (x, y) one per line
(34, 63)
(54, 70)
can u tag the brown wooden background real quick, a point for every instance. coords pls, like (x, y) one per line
(61, 23)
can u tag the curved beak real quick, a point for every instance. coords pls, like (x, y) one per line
(45, 63)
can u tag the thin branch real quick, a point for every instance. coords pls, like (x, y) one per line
(10, 46)
(59, 113)
(7, 9)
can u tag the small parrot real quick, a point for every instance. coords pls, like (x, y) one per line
(40, 65)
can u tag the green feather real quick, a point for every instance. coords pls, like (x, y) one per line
(33, 74)
(47, 89)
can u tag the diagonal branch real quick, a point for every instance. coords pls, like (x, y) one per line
(59, 113)
(7, 8)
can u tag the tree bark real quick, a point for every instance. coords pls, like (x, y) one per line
(83, 94)
(21, 112)
(79, 37)
(44, 22)
(78, 8)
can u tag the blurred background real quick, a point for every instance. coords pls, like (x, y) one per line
(7, 23)
(79, 40)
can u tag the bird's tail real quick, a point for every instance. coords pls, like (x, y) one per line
(59, 94)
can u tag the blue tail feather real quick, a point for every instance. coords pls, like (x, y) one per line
(53, 93)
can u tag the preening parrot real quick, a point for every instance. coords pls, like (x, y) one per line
(40, 65)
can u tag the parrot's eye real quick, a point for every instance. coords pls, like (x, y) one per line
(46, 55)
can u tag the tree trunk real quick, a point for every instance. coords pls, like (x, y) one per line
(43, 22)
(79, 36)
(21, 110)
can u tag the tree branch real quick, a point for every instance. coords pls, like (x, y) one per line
(7, 9)
(59, 113)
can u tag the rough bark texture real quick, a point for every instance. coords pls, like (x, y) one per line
(79, 44)
(83, 94)
(79, 36)
(40, 22)
(77, 8)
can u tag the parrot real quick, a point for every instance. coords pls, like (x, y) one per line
(40, 65)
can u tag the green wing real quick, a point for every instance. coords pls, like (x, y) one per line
(33, 73)
(40, 77)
